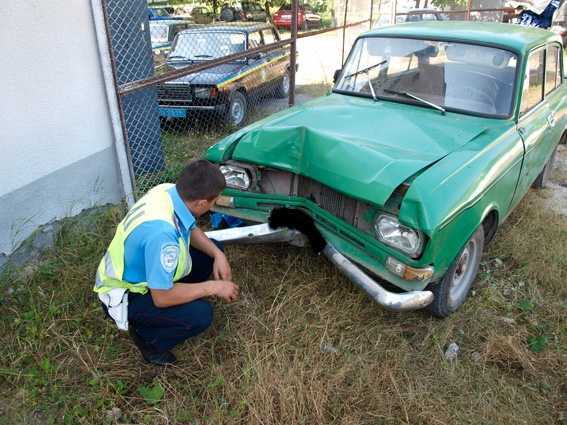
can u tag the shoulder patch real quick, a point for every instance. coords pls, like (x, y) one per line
(168, 257)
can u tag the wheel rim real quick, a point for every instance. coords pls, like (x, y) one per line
(285, 84)
(464, 274)
(237, 111)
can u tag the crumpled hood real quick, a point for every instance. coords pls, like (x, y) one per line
(359, 147)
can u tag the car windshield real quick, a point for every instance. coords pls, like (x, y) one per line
(158, 33)
(454, 76)
(207, 45)
(161, 12)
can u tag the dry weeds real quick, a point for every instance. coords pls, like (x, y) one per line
(302, 345)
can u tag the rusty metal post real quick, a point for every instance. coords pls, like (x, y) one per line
(344, 33)
(371, 11)
(468, 13)
(293, 52)
(119, 99)
(394, 12)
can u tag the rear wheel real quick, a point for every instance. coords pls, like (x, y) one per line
(237, 111)
(542, 181)
(282, 89)
(452, 291)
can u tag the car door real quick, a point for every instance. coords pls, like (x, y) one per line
(257, 73)
(554, 95)
(277, 59)
(533, 122)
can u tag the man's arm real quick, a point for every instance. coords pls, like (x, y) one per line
(182, 293)
(221, 268)
(161, 258)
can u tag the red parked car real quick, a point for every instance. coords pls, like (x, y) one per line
(306, 17)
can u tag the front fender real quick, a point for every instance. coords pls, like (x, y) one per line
(451, 199)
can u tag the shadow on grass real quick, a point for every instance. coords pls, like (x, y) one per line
(301, 346)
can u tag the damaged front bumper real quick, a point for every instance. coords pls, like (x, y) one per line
(263, 233)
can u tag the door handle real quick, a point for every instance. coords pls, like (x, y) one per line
(551, 121)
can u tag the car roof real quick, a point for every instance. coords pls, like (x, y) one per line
(513, 37)
(233, 27)
(170, 22)
(425, 10)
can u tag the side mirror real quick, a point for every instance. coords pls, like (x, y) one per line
(255, 57)
(336, 75)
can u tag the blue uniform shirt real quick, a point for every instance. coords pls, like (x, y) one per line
(151, 251)
(532, 19)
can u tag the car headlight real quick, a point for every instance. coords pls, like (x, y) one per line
(236, 177)
(389, 230)
(205, 92)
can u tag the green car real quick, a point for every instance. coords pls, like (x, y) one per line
(432, 134)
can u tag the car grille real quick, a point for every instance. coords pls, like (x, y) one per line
(330, 200)
(174, 94)
(352, 211)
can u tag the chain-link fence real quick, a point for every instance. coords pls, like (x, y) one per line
(187, 75)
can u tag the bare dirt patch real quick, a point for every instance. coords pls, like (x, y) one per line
(557, 192)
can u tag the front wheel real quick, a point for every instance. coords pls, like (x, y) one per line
(452, 290)
(282, 89)
(237, 109)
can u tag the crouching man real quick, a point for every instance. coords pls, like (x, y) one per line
(155, 274)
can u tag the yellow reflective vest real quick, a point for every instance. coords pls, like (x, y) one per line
(154, 205)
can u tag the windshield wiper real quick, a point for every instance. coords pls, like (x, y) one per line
(202, 56)
(365, 71)
(419, 99)
(352, 74)
(178, 57)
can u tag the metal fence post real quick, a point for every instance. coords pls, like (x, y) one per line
(371, 11)
(468, 13)
(344, 33)
(128, 149)
(394, 7)
(293, 52)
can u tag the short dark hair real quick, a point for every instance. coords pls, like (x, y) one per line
(200, 179)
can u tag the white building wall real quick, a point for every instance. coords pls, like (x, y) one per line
(57, 152)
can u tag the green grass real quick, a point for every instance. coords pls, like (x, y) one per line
(301, 346)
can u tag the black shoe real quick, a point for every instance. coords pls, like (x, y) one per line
(150, 354)
(163, 358)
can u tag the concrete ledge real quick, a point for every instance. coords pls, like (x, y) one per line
(66, 192)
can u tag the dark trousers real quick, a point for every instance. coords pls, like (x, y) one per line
(163, 328)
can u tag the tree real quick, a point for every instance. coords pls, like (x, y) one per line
(449, 4)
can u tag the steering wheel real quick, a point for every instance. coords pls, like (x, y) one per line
(477, 95)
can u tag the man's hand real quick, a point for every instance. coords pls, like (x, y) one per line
(221, 268)
(225, 289)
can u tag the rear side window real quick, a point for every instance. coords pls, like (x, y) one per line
(533, 81)
(269, 36)
(552, 69)
(254, 40)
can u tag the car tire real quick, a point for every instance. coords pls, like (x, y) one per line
(237, 110)
(282, 89)
(305, 25)
(453, 289)
(542, 181)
